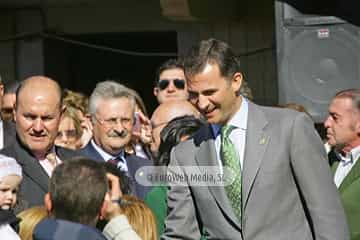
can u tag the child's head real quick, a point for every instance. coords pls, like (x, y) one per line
(10, 178)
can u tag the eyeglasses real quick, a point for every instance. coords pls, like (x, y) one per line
(178, 83)
(113, 122)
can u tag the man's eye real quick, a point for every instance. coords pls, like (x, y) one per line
(209, 92)
(47, 118)
(30, 117)
(125, 120)
(111, 120)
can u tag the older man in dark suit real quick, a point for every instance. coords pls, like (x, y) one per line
(112, 108)
(37, 117)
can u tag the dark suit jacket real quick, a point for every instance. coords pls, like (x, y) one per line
(133, 163)
(35, 181)
(9, 133)
(287, 187)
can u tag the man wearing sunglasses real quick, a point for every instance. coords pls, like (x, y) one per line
(170, 82)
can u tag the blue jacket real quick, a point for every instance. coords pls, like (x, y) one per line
(56, 229)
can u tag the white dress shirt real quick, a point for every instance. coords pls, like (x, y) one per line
(122, 165)
(49, 165)
(237, 136)
(345, 165)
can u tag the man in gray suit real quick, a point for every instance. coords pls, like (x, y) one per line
(282, 187)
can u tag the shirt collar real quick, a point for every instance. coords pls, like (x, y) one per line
(106, 156)
(350, 157)
(239, 120)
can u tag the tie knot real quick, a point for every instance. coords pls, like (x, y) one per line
(226, 130)
(51, 157)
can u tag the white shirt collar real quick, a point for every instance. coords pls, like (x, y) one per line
(350, 157)
(106, 156)
(239, 120)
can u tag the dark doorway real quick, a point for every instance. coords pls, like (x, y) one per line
(80, 67)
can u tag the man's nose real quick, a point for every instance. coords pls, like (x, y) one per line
(171, 87)
(327, 122)
(8, 195)
(38, 125)
(203, 102)
(119, 127)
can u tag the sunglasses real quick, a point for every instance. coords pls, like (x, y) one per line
(178, 83)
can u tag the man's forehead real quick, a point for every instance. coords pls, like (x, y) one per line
(110, 106)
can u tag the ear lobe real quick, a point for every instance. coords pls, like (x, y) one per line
(48, 203)
(14, 112)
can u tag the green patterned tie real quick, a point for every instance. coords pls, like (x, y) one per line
(230, 158)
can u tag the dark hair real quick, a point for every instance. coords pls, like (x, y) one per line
(172, 63)
(172, 134)
(77, 190)
(11, 87)
(125, 181)
(212, 51)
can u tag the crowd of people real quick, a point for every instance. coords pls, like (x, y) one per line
(75, 167)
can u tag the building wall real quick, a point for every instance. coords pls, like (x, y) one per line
(251, 34)
(7, 48)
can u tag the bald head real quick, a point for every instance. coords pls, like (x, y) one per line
(37, 114)
(164, 113)
(39, 84)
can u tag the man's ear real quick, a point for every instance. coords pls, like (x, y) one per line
(104, 206)
(14, 112)
(156, 91)
(237, 81)
(48, 203)
(1, 90)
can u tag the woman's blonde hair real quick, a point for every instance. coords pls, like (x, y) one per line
(29, 219)
(140, 217)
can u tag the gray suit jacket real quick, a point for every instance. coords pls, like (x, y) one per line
(287, 187)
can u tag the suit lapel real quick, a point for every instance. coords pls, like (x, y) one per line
(353, 175)
(91, 152)
(206, 156)
(334, 167)
(8, 133)
(31, 167)
(256, 142)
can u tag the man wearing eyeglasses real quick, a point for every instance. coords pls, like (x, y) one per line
(170, 82)
(112, 110)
